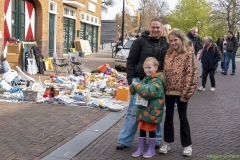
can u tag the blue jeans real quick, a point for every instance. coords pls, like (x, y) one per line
(224, 61)
(127, 134)
(231, 56)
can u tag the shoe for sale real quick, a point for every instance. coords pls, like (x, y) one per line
(233, 73)
(201, 88)
(165, 148)
(212, 89)
(187, 151)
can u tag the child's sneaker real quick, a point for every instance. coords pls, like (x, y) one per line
(201, 88)
(165, 148)
(187, 151)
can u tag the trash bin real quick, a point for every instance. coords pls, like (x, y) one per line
(81, 53)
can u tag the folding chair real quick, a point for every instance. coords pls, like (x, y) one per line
(28, 80)
(60, 64)
(73, 61)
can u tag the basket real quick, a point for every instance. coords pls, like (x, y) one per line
(32, 96)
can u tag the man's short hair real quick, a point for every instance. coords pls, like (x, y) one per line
(194, 28)
(167, 26)
(230, 32)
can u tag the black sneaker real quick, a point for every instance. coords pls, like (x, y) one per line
(233, 73)
(120, 146)
(224, 73)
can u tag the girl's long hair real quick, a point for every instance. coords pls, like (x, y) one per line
(183, 39)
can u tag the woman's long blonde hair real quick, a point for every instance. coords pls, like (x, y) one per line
(184, 42)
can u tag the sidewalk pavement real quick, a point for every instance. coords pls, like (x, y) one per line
(214, 119)
(33, 131)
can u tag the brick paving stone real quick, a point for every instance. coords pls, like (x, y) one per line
(29, 131)
(214, 122)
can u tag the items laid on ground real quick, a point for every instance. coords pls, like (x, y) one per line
(103, 88)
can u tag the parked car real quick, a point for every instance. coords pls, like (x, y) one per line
(122, 55)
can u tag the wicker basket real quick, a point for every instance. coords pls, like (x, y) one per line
(32, 96)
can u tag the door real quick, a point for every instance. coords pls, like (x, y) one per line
(51, 35)
(68, 34)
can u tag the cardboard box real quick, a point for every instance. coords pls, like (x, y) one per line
(14, 48)
(12, 57)
(123, 94)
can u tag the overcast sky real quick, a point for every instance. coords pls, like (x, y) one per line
(112, 11)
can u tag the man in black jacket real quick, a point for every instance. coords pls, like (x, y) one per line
(152, 43)
(232, 46)
(197, 42)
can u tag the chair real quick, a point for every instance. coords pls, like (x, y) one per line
(73, 61)
(28, 80)
(60, 64)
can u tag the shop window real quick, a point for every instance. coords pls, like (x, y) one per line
(69, 12)
(91, 19)
(83, 16)
(96, 20)
(72, 13)
(66, 11)
(87, 17)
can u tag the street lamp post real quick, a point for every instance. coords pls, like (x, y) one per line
(198, 22)
(140, 20)
(123, 21)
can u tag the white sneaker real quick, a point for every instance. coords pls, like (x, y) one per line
(212, 89)
(187, 151)
(165, 148)
(201, 88)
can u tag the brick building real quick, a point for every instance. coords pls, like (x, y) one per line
(53, 24)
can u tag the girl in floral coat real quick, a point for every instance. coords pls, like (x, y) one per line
(151, 89)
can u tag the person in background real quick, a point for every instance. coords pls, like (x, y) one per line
(223, 49)
(197, 42)
(4, 66)
(232, 46)
(154, 44)
(218, 42)
(181, 72)
(151, 89)
(167, 28)
(210, 59)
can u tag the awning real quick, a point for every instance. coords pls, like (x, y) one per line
(73, 3)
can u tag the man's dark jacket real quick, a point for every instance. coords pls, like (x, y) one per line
(232, 45)
(142, 48)
(197, 42)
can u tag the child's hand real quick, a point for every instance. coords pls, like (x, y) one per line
(135, 84)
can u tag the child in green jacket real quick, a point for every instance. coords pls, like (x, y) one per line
(151, 89)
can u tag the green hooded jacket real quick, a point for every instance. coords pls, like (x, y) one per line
(154, 94)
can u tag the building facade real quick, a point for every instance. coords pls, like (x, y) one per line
(53, 24)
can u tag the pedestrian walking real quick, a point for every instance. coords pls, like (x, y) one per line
(153, 45)
(210, 59)
(151, 89)
(181, 72)
(197, 42)
(223, 49)
(232, 46)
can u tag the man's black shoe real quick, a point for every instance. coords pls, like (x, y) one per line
(233, 74)
(225, 73)
(120, 146)
(156, 146)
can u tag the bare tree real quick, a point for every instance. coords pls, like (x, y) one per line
(152, 9)
(227, 13)
(106, 4)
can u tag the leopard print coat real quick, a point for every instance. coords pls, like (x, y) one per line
(181, 74)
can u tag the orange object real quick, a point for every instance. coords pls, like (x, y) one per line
(80, 87)
(122, 94)
(103, 67)
(147, 126)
